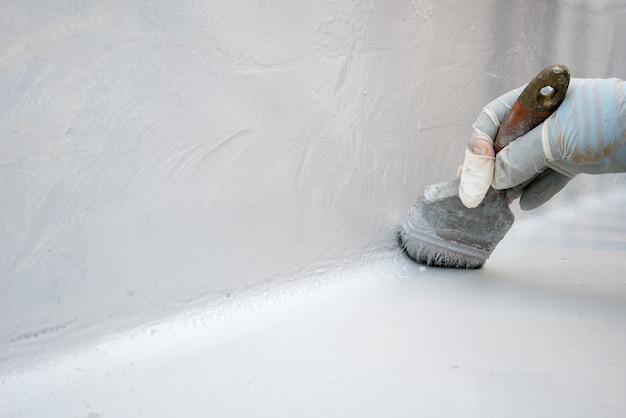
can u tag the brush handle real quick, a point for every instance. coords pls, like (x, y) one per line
(539, 99)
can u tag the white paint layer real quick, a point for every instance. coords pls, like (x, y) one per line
(539, 332)
(154, 157)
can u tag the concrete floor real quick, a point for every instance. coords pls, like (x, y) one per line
(539, 332)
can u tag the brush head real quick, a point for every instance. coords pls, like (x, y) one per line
(441, 232)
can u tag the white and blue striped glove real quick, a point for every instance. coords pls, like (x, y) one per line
(587, 134)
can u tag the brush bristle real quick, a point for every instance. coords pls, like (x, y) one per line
(437, 257)
(441, 232)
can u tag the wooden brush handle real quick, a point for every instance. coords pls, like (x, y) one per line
(541, 97)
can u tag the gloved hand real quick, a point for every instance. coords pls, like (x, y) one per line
(587, 134)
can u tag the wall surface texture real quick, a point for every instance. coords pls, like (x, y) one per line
(156, 155)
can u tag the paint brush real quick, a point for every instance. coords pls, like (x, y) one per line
(439, 230)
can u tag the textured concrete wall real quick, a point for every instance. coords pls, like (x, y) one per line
(156, 155)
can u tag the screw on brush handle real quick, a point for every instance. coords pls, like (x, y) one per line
(541, 97)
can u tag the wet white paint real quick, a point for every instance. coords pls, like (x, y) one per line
(161, 158)
(386, 338)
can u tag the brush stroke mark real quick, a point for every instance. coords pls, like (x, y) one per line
(43, 332)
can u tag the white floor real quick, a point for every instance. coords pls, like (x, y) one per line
(539, 332)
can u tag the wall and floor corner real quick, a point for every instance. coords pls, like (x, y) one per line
(157, 156)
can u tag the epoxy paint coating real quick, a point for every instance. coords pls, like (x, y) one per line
(161, 158)
(539, 332)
